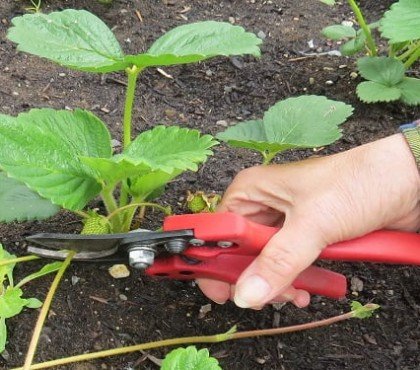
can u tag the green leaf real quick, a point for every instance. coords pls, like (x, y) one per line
(384, 70)
(372, 92)
(73, 38)
(11, 303)
(402, 21)
(143, 186)
(328, 2)
(189, 359)
(33, 303)
(6, 270)
(165, 149)
(170, 148)
(41, 148)
(115, 169)
(363, 311)
(410, 90)
(198, 41)
(252, 135)
(45, 270)
(353, 46)
(19, 203)
(302, 122)
(339, 32)
(3, 334)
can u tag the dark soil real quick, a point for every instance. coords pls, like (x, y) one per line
(90, 314)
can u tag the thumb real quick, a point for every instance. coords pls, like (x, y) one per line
(286, 255)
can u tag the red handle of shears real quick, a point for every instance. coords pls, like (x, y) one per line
(249, 239)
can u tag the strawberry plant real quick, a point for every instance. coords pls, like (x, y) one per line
(190, 358)
(11, 300)
(302, 122)
(63, 159)
(386, 75)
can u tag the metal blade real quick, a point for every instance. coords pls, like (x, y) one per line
(81, 256)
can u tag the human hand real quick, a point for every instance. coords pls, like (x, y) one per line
(317, 202)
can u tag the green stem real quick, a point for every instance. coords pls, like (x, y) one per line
(366, 30)
(136, 205)
(109, 200)
(411, 49)
(196, 339)
(19, 259)
(413, 57)
(132, 74)
(111, 206)
(268, 157)
(133, 207)
(44, 312)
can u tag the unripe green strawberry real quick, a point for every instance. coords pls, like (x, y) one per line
(196, 202)
(200, 202)
(96, 224)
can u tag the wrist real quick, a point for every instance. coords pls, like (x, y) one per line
(397, 181)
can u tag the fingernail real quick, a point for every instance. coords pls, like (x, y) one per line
(252, 292)
(219, 302)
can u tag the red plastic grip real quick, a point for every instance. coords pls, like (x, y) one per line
(228, 268)
(249, 238)
(385, 246)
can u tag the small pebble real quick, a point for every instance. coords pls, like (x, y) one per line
(347, 23)
(62, 74)
(329, 82)
(222, 123)
(311, 80)
(119, 271)
(15, 93)
(74, 280)
(115, 143)
(356, 284)
(122, 297)
(5, 355)
(262, 35)
(204, 310)
(231, 20)
(353, 75)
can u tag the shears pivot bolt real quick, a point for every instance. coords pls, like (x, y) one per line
(141, 257)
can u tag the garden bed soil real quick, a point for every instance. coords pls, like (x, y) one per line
(91, 310)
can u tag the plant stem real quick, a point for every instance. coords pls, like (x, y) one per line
(132, 74)
(197, 339)
(111, 206)
(413, 57)
(81, 214)
(19, 259)
(128, 216)
(366, 30)
(268, 157)
(44, 312)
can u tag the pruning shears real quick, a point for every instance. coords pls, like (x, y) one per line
(220, 246)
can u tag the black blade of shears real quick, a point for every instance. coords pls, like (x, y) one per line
(97, 247)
